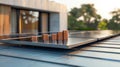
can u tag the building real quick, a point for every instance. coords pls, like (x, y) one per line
(31, 16)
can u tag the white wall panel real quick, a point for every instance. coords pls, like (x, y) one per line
(45, 5)
(63, 18)
(36, 4)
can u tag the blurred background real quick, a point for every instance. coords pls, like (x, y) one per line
(92, 14)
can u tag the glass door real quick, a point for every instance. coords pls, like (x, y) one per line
(28, 21)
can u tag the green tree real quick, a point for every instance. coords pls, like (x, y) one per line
(87, 12)
(74, 12)
(73, 24)
(103, 25)
(114, 22)
(116, 16)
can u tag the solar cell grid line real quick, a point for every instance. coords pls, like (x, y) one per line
(86, 66)
(108, 43)
(96, 54)
(19, 54)
(24, 63)
(101, 51)
(31, 59)
(117, 53)
(113, 40)
(98, 59)
(106, 59)
(97, 49)
(106, 47)
(4, 46)
(47, 42)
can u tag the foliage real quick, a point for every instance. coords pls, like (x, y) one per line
(114, 22)
(102, 25)
(73, 24)
(90, 18)
(113, 26)
(86, 18)
(116, 16)
(87, 11)
(74, 12)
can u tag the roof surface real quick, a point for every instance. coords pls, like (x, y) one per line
(102, 54)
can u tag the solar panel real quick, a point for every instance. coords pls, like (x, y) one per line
(53, 40)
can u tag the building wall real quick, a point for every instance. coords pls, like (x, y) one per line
(5, 19)
(35, 4)
(59, 19)
(63, 18)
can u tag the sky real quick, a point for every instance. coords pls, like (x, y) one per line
(104, 7)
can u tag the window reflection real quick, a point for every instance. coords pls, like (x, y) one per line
(29, 21)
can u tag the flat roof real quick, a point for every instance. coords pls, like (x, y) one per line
(102, 54)
(97, 55)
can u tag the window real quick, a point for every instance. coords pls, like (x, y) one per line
(29, 21)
